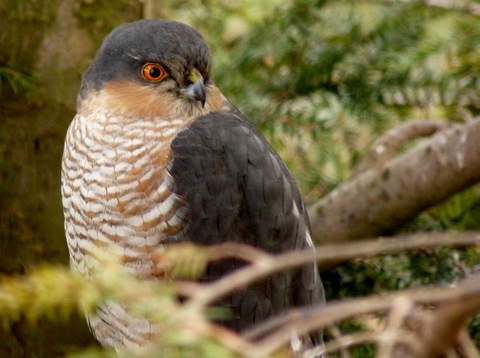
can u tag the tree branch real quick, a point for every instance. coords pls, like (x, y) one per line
(263, 265)
(385, 147)
(445, 328)
(379, 200)
(304, 320)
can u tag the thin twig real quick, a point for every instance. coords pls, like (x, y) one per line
(308, 319)
(337, 335)
(264, 265)
(227, 250)
(276, 332)
(342, 343)
(388, 339)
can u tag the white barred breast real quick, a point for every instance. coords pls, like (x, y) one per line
(117, 198)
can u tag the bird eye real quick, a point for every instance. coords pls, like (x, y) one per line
(153, 72)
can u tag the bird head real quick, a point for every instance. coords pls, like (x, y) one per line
(151, 68)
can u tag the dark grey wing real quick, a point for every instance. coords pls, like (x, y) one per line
(239, 189)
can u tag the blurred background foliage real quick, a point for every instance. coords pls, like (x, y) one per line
(321, 79)
(324, 79)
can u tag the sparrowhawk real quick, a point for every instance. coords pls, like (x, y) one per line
(157, 155)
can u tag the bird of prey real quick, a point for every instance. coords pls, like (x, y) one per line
(157, 155)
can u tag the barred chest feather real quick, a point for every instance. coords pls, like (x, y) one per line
(117, 193)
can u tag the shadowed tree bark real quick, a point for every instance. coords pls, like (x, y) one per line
(50, 42)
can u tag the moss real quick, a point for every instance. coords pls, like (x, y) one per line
(101, 16)
(24, 24)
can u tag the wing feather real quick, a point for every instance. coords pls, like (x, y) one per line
(240, 190)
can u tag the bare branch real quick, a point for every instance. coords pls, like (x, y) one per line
(446, 326)
(264, 265)
(188, 319)
(379, 200)
(275, 333)
(466, 347)
(399, 310)
(232, 340)
(385, 147)
(227, 250)
(307, 319)
(338, 336)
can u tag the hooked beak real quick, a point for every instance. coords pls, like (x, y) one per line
(195, 91)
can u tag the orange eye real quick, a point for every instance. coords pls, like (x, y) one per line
(153, 72)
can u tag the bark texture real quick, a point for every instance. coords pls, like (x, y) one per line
(380, 200)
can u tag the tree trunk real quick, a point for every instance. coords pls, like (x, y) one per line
(53, 41)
